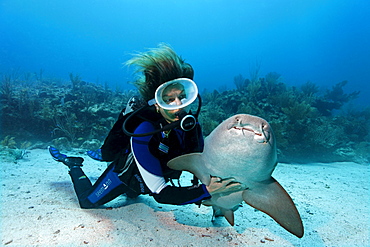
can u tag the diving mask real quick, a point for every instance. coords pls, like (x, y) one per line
(175, 94)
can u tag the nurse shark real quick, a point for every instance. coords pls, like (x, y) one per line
(243, 147)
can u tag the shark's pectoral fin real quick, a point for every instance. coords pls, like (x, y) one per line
(193, 163)
(270, 198)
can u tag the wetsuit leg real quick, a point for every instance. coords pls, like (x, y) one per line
(81, 184)
(105, 189)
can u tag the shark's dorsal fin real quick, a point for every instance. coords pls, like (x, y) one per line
(193, 163)
(270, 198)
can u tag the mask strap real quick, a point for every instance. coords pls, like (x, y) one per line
(152, 102)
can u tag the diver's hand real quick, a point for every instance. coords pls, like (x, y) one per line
(225, 186)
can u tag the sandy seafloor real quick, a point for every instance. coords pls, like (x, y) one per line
(39, 208)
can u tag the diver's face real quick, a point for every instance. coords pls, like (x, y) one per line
(172, 95)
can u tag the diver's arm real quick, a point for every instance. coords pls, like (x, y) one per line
(151, 172)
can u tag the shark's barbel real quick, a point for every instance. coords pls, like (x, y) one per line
(243, 147)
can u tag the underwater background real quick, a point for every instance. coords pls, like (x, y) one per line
(302, 65)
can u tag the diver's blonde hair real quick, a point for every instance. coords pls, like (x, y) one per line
(156, 67)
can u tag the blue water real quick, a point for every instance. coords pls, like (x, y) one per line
(324, 42)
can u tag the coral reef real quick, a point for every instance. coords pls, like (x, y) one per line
(35, 108)
(305, 123)
(80, 114)
(9, 150)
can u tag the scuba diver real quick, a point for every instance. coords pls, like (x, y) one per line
(145, 138)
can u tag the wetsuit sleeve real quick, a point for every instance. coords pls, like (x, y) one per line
(182, 195)
(152, 174)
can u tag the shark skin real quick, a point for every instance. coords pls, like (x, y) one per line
(243, 147)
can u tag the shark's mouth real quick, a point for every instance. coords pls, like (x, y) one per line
(247, 129)
(261, 133)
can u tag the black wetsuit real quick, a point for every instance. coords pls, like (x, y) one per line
(140, 168)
